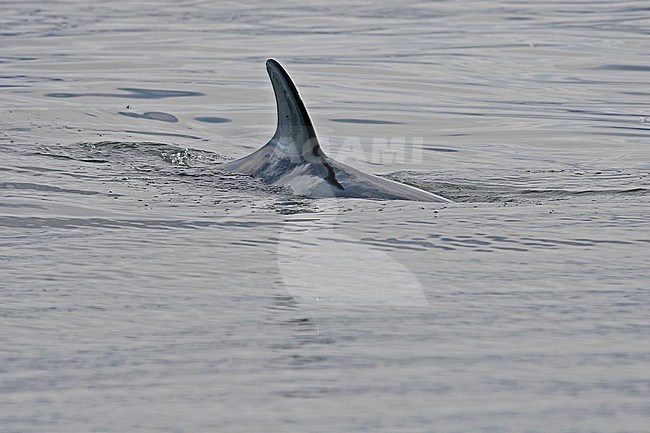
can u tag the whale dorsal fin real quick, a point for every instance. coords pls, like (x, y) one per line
(295, 132)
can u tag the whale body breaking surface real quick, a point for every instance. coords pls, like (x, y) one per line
(293, 157)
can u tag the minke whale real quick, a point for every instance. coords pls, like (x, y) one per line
(293, 157)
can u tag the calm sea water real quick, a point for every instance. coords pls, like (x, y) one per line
(141, 289)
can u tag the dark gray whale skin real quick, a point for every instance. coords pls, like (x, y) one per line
(293, 157)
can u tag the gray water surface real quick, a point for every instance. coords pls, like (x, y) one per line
(143, 289)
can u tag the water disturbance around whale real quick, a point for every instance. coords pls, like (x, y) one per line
(294, 158)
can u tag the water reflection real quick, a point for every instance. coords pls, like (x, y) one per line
(367, 121)
(132, 93)
(208, 119)
(151, 115)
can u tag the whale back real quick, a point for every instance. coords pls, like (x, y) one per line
(293, 156)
